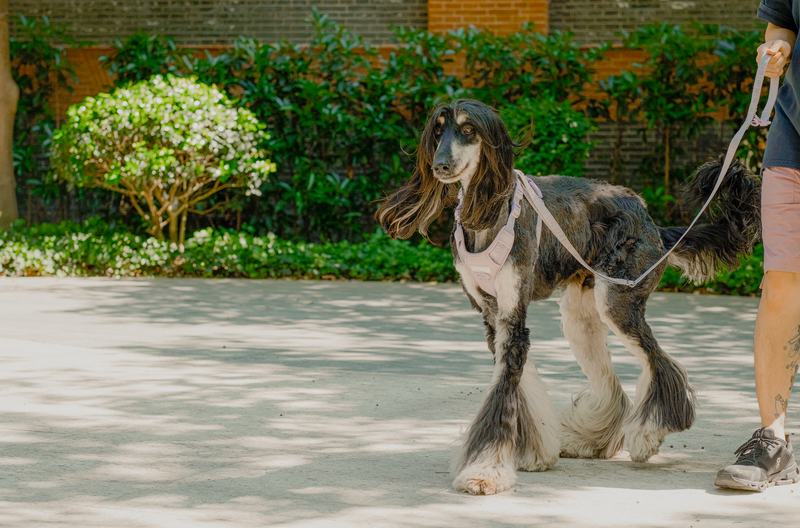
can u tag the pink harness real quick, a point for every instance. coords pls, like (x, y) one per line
(484, 266)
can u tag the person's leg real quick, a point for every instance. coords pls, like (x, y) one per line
(767, 458)
(777, 346)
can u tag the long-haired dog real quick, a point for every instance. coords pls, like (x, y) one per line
(467, 143)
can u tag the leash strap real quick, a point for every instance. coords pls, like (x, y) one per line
(751, 120)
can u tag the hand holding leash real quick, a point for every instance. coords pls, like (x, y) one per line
(780, 51)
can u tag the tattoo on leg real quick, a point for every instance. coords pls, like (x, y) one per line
(793, 350)
(780, 407)
(794, 343)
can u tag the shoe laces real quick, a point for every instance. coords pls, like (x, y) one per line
(753, 448)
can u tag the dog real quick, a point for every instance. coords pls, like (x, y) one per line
(466, 144)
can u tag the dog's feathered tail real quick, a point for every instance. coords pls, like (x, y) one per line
(735, 221)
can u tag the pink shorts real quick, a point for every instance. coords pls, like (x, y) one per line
(780, 219)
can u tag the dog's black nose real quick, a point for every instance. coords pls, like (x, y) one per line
(441, 168)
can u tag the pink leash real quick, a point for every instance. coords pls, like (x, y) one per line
(484, 266)
(751, 120)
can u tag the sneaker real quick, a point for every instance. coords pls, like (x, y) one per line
(763, 461)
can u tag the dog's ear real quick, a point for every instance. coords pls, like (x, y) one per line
(493, 182)
(421, 199)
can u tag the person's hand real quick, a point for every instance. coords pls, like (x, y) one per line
(781, 51)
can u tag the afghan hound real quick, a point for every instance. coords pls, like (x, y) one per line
(465, 144)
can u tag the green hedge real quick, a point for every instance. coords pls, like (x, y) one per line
(746, 280)
(97, 249)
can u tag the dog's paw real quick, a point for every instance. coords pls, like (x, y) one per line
(485, 480)
(573, 445)
(538, 458)
(592, 428)
(536, 464)
(643, 441)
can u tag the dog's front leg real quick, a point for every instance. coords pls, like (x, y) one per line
(516, 425)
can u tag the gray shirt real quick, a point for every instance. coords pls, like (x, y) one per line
(783, 142)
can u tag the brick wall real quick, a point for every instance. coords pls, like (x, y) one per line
(711, 142)
(203, 22)
(500, 16)
(595, 21)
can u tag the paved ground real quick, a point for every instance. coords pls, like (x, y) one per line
(192, 403)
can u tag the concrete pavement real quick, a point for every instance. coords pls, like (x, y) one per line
(200, 403)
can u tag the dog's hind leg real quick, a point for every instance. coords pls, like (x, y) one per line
(592, 427)
(516, 413)
(664, 400)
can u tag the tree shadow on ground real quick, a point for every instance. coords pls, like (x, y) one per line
(201, 403)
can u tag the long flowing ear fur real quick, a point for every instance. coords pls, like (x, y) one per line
(493, 183)
(421, 199)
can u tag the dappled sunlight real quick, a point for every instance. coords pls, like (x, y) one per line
(147, 403)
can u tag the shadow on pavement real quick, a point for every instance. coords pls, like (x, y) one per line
(237, 403)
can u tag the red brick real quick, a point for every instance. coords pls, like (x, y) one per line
(500, 17)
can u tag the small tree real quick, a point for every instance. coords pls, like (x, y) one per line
(674, 100)
(620, 104)
(168, 144)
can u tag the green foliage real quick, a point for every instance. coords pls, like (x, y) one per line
(563, 67)
(140, 57)
(674, 100)
(526, 64)
(558, 145)
(731, 76)
(657, 200)
(415, 70)
(341, 117)
(620, 104)
(746, 280)
(167, 143)
(95, 249)
(40, 67)
(335, 129)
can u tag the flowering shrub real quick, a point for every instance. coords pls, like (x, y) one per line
(167, 143)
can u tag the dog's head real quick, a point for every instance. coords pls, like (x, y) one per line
(464, 141)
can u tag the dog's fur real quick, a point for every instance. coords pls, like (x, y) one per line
(516, 427)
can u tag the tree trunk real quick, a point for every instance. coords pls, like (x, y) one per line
(174, 219)
(182, 236)
(155, 220)
(666, 161)
(616, 158)
(9, 96)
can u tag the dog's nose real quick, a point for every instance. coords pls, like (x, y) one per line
(441, 168)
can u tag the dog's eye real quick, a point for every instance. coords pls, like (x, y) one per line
(467, 129)
(437, 131)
